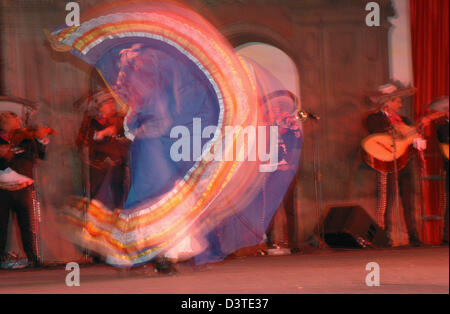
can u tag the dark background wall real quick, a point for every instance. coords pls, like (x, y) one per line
(339, 60)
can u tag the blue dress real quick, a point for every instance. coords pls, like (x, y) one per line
(183, 85)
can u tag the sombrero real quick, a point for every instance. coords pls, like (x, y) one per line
(389, 90)
(440, 104)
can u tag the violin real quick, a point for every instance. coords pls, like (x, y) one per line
(20, 135)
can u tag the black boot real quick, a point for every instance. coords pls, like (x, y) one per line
(163, 266)
(414, 241)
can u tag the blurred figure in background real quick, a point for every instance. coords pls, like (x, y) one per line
(443, 138)
(104, 150)
(289, 139)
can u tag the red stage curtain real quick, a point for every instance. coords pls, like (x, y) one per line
(429, 30)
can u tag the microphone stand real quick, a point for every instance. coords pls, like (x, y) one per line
(303, 116)
(318, 184)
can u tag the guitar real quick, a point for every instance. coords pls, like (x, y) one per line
(378, 149)
(444, 149)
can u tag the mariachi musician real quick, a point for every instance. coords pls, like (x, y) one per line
(19, 150)
(441, 105)
(104, 150)
(388, 121)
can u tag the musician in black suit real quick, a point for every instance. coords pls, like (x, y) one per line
(20, 149)
(387, 120)
(443, 137)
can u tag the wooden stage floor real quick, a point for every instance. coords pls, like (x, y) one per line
(402, 270)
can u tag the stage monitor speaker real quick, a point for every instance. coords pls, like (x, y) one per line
(352, 227)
